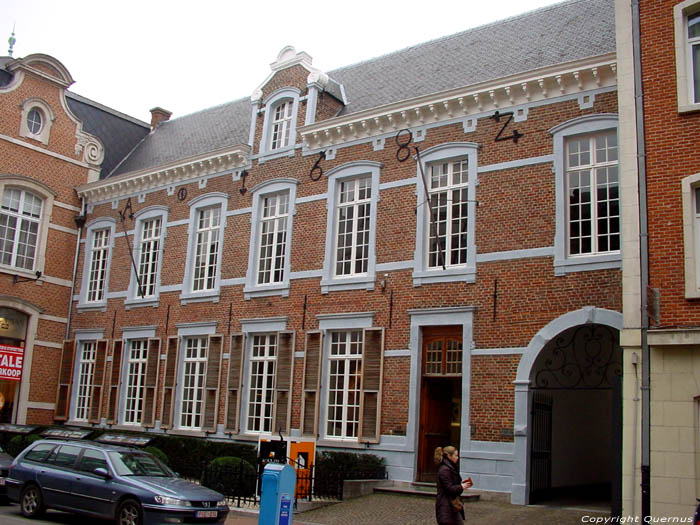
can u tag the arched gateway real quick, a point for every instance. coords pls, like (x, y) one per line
(568, 423)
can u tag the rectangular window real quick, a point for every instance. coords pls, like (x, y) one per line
(449, 200)
(694, 53)
(85, 373)
(263, 360)
(207, 249)
(273, 239)
(98, 265)
(135, 381)
(281, 125)
(193, 377)
(593, 194)
(344, 378)
(148, 261)
(20, 215)
(353, 226)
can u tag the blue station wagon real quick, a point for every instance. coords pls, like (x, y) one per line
(114, 482)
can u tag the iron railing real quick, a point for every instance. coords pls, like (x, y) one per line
(241, 483)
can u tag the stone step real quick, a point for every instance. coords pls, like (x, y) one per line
(419, 489)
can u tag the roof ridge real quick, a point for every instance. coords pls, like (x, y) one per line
(459, 33)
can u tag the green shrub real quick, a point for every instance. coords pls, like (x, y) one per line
(233, 477)
(350, 463)
(19, 442)
(155, 451)
(189, 456)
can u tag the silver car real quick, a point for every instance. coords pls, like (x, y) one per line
(125, 484)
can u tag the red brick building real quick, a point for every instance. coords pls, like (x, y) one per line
(295, 262)
(46, 150)
(661, 420)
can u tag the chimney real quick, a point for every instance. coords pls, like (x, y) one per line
(159, 115)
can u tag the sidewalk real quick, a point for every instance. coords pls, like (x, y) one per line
(406, 510)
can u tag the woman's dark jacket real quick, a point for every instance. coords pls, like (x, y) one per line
(449, 486)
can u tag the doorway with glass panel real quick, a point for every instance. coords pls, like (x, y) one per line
(441, 395)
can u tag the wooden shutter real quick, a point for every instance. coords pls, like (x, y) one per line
(211, 382)
(113, 382)
(311, 384)
(150, 384)
(65, 380)
(233, 384)
(371, 389)
(166, 406)
(284, 370)
(98, 380)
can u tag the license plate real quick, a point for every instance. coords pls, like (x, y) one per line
(206, 514)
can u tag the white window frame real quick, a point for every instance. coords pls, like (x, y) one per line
(47, 195)
(563, 263)
(139, 385)
(143, 216)
(328, 323)
(129, 334)
(203, 202)
(269, 365)
(684, 67)
(251, 328)
(691, 235)
(24, 223)
(94, 226)
(351, 170)
(84, 371)
(349, 359)
(422, 273)
(196, 367)
(270, 104)
(187, 331)
(260, 193)
(47, 117)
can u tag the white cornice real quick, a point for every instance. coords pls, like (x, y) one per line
(550, 82)
(165, 175)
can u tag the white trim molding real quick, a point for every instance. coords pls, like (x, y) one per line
(543, 84)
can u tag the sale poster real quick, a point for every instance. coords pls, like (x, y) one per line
(11, 358)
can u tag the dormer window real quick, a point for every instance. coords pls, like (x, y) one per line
(34, 121)
(281, 125)
(37, 118)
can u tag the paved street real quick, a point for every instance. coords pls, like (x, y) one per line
(368, 510)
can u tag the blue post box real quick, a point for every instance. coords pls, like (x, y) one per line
(277, 497)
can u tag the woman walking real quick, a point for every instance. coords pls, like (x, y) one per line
(449, 487)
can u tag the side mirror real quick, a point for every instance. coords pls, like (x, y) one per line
(102, 472)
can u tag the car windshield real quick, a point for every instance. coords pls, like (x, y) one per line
(138, 464)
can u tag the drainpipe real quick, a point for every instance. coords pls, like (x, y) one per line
(79, 222)
(643, 263)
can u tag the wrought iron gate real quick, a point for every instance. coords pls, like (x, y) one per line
(541, 449)
(586, 357)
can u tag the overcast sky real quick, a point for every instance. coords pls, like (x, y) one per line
(188, 56)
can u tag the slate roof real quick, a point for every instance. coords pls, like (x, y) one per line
(5, 76)
(564, 32)
(119, 133)
(202, 132)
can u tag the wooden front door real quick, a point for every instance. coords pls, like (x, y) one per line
(440, 401)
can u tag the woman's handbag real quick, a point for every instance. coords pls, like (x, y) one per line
(457, 504)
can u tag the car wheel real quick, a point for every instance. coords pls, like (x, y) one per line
(129, 513)
(31, 501)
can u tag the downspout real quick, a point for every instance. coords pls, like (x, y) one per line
(643, 263)
(79, 222)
